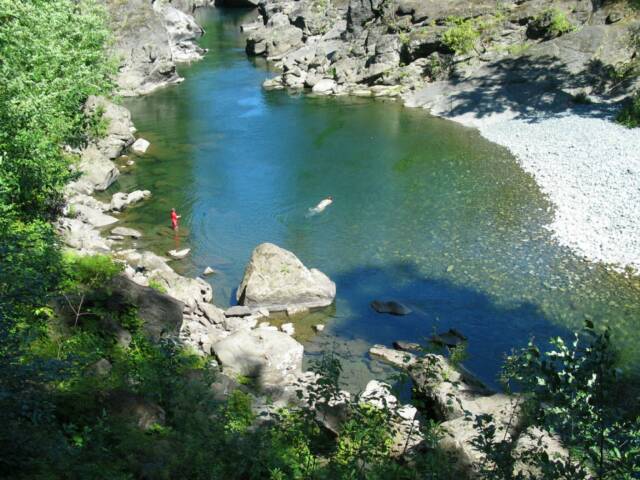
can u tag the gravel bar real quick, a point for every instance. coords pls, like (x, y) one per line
(590, 169)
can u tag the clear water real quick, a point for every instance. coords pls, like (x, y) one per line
(426, 212)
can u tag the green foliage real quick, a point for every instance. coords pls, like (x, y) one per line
(461, 35)
(569, 391)
(52, 59)
(90, 272)
(97, 124)
(156, 285)
(629, 115)
(554, 21)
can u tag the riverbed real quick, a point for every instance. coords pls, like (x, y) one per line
(425, 212)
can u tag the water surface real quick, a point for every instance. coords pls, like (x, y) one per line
(426, 212)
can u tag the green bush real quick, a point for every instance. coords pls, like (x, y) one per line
(461, 35)
(157, 285)
(629, 116)
(552, 23)
(53, 58)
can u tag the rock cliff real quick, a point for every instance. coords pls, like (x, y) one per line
(533, 52)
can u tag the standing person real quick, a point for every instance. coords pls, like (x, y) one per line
(174, 219)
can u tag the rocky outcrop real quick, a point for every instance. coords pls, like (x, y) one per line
(377, 48)
(458, 400)
(182, 31)
(161, 313)
(118, 125)
(150, 38)
(272, 358)
(275, 279)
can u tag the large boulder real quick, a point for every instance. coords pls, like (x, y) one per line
(82, 237)
(97, 172)
(274, 41)
(161, 314)
(118, 124)
(273, 358)
(142, 45)
(183, 32)
(121, 200)
(276, 279)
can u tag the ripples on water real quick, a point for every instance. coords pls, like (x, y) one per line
(425, 212)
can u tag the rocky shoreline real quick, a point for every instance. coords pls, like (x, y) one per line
(308, 44)
(542, 93)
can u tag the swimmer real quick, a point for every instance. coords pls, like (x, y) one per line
(322, 205)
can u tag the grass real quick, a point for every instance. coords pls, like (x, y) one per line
(629, 116)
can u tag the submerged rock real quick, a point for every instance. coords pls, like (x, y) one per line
(392, 307)
(451, 338)
(126, 232)
(394, 357)
(276, 279)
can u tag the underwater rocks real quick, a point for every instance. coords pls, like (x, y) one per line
(391, 307)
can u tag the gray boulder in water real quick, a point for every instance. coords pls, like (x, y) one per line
(451, 338)
(276, 279)
(391, 307)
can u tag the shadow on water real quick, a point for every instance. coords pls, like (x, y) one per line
(437, 304)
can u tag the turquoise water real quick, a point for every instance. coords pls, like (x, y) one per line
(426, 212)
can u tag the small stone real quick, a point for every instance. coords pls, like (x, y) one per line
(238, 311)
(115, 238)
(318, 328)
(208, 271)
(288, 328)
(130, 162)
(179, 254)
(140, 145)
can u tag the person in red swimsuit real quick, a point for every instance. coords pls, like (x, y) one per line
(174, 219)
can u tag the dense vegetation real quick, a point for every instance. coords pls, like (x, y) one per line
(79, 401)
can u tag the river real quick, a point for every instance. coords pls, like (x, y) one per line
(425, 212)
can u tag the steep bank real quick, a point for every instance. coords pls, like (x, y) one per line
(515, 70)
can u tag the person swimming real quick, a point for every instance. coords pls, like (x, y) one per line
(321, 206)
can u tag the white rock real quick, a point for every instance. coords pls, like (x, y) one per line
(208, 271)
(318, 328)
(179, 254)
(288, 328)
(140, 146)
(324, 87)
(126, 232)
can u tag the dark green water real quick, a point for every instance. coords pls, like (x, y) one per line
(425, 212)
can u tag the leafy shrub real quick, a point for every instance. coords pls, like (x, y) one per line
(461, 35)
(629, 116)
(156, 285)
(570, 390)
(550, 23)
(53, 58)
